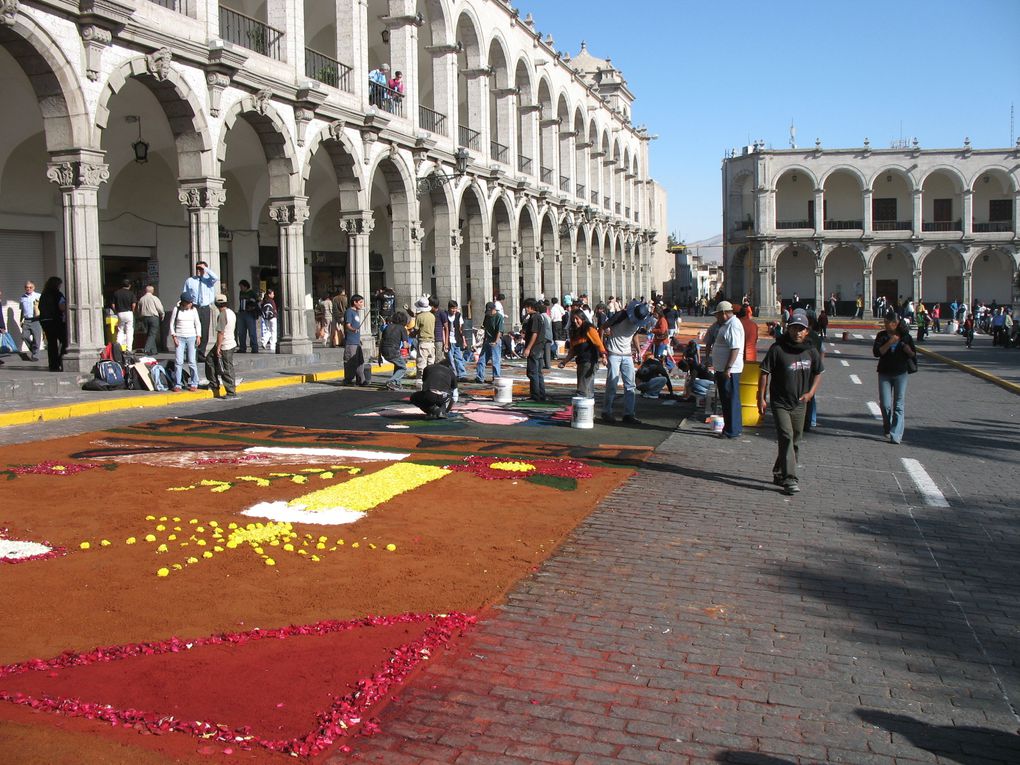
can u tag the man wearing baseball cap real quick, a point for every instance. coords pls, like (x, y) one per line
(791, 372)
(219, 363)
(728, 363)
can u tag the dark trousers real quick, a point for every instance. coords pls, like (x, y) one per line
(535, 362)
(586, 377)
(729, 399)
(151, 326)
(431, 402)
(56, 339)
(31, 332)
(221, 366)
(354, 365)
(205, 319)
(789, 430)
(246, 331)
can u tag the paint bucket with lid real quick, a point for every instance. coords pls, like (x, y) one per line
(582, 412)
(503, 390)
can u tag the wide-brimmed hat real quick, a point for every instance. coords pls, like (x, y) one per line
(637, 311)
(723, 305)
(421, 304)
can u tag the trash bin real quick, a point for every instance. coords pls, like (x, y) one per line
(749, 394)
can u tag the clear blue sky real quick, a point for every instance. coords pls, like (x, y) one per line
(708, 76)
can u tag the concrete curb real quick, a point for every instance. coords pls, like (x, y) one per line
(986, 376)
(153, 400)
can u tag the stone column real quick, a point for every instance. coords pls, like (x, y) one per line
(79, 174)
(509, 267)
(531, 259)
(968, 288)
(568, 281)
(917, 225)
(968, 213)
(766, 287)
(868, 292)
(448, 282)
(358, 226)
(819, 211)
(762, 222)
(481, 276)
(868, 221)
(407, 279)
(295, 316)
(203, 198)
(1016, 214)
(819, 287)
(506, 116)
(917, 284)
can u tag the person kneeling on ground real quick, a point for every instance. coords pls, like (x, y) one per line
(794, 367)
(652, 377)
(439, 388)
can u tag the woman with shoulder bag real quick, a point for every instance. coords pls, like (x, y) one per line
(897, 358)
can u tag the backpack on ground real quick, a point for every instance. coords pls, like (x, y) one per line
(112, 352)
(160, 379)
(95, 384)
(110, 372)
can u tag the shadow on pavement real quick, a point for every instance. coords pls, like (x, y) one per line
(750, 758)
(966, 745)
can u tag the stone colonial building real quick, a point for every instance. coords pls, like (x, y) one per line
(144, 135)
(939, 225)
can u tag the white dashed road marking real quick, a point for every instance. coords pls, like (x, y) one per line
(844, 362)
(855, 380)
(859, 337)
(925, 485)
(836, 350)
(875, 409)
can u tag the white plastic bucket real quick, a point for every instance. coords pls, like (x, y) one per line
(503, 390)
(582, 412)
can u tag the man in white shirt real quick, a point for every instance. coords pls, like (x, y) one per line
(618, 337)
(31, 329)
(728, 363)
(219, 363)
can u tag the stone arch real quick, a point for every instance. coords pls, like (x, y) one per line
(277, 145)
(792, 170)
(474, 42)
(993, 275)
(942, 270)
(952, 172)
(528, 235)
(843, 274)
(893, 261)
(394, 211)
(54, 80)
(504, 260)
(861, 178)
(499, 49)
(795, 273)
(343, 153)
(180, 104)
(897, 170)
(438, 15)
(996, 171)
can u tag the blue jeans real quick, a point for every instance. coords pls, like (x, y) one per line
(456, 355)
(653, 387)
(812, 412)
(246, 332)
(620, 366)
(729, 399)
(535, 364)
(399, 366)
(185, 344)
(892, 396)
(490, 351)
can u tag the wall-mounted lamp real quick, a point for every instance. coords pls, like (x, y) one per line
(386, 36)
(139, 147)
(463, 156)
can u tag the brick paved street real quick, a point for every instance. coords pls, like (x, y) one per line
(700, 616)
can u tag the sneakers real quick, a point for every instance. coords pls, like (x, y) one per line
(176, 389)
(231, 397)
(649, 395)
(790, 489)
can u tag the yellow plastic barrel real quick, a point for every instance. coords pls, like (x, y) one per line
(749, 394)
(110, 322)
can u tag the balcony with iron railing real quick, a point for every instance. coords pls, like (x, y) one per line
(843, 225)
(327, 70)
(993, 227)
(788, 224)
(579, 190)
(431, 120)
(386, 98)
(942, 225)
(250, 33)
(524, 163)
(546, 175)
(468, 137)
(565, 184)
(892, 225)
(181, 6)
(499, 152)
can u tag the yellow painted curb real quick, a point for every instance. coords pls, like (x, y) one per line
(987, 376)
(152, 399)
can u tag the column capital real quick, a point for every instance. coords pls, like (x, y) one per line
(77, 170)
(358, 222)
(8, 12)
(290, 211)
(202, 193)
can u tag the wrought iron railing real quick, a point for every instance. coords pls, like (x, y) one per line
(942, 225)
(251, 33)
(794, 224)
(385, 98)
(327, 70)
(579, 190)
(181, 6)
(468, 138)
(523, 163)
(431, 120)
(993, 226)
(564, 183)
(546, 175)
(891, 225)
(499, 151)
(843, 225)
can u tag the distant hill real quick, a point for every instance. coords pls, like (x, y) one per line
(711, 250)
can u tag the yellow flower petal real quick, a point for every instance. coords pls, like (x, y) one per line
(163, 572)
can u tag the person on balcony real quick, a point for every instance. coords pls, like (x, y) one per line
(378, 81)
(396, 86)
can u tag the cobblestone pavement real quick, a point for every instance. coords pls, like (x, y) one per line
(1002, 362)
(700, 616)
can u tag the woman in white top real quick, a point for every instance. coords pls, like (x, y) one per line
(186, 331)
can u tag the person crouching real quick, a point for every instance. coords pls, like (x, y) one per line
(438, 390)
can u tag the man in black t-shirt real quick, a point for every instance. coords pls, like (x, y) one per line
(791, 372)
(437, 386)
(124, 304)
